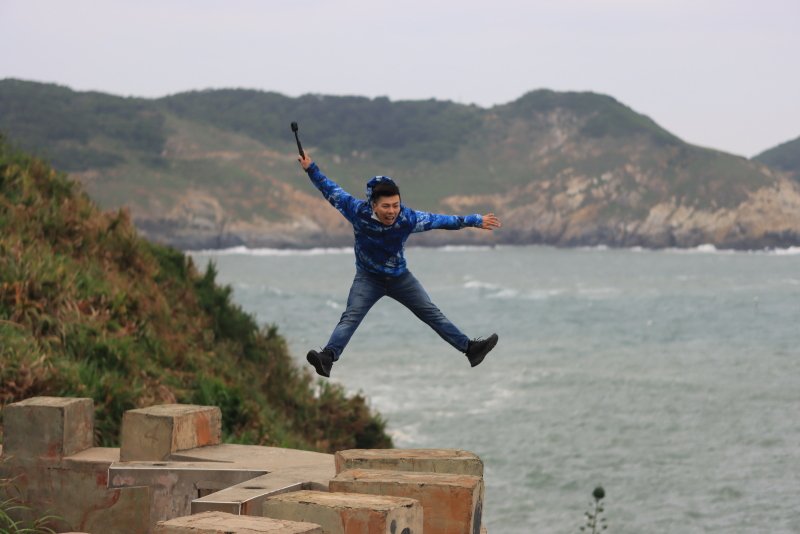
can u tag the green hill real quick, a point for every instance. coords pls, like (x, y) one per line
(209, 169)
(88, 308)
(419, 130)
(785, 157)
(79, 131)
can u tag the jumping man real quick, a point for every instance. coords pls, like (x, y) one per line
(381, 225)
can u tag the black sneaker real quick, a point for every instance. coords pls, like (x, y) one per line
(322, 361)
(479, 348)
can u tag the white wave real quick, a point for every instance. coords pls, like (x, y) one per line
(791, 251)
(701, 249)
(598, 292)
(492, 291)
(711, 249)
(543, 294)
(332, 304)
(707, 248)
(274, 291)
(477, 284)
(405, 436)
(465, 248)
(505, 294)
(244, 251)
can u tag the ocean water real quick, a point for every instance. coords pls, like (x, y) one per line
(671, 378)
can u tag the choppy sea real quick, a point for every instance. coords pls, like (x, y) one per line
(671, 378)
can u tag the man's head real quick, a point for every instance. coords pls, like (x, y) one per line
(385, 199)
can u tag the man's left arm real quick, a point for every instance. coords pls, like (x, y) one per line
(435, 221)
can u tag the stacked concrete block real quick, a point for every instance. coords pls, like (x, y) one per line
(349, 513)
(421, 461)
(155, 433)
(151, 436)
(453, 461)
(49, 455)
(48, 428)
(174, 486)
(286, 470)
(223, 523)
(172, 464)
(452, 504)
(226, 478)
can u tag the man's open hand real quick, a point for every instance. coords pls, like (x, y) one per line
(305, 161)
(490, 222)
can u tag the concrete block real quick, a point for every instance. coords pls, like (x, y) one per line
(348, 513)
(256, 456)
(247, 498)
(452, 504)
(74, 490)
(222, 523)
(48, 427)
(154, 433)
(174, 485)
(287, 470)
(454, 461)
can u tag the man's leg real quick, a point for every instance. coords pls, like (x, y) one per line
(408, 291)
(364, 293)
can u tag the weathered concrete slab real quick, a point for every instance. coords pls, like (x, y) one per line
(154, 433)
(48, 427)
(288, 470)
(93, 455)
(247, 498)
(48, 453)
(222, 523)
(454, 461)
(75, 490)
(348, 513)
(258, 457)
(227, 478)
(174, 485)
(452, 504)
(186, 470)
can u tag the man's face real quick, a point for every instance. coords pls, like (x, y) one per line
(387, 209)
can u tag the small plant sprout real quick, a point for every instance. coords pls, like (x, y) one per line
(594, 522)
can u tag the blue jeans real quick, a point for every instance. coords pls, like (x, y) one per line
(367, 289)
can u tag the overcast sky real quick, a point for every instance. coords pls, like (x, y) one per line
(723, 74)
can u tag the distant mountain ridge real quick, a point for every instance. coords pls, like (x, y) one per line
(217, 168)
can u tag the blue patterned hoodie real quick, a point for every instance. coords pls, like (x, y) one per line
(379, 248)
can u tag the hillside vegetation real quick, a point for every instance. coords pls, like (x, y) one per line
(88, 308)
(785, 157)
(216, 168)
(64, 126)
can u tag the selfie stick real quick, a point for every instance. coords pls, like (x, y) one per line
(299, 146)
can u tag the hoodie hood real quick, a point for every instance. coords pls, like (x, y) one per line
(373, 182)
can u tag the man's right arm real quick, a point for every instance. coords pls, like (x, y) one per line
(333, 193)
